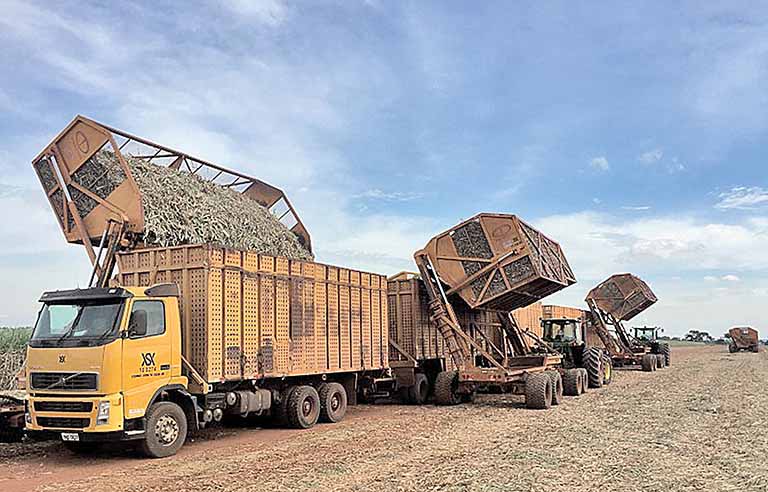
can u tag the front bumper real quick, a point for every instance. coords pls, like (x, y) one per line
(48, 414)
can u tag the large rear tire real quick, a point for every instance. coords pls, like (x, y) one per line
(303, 407)
(166, 430)
(664, 350)
(446, 384)
(557, 386)
(593, 363)
(538, 391)
(333, 402)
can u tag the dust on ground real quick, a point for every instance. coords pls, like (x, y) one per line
(698, 425)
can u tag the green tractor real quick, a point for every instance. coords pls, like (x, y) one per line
(567, 337)
(649, 335)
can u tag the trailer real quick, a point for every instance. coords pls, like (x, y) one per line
(620, 298)
(495, 262)
(743, 338)
(185, 335)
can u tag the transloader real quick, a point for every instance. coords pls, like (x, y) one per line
(743, 338)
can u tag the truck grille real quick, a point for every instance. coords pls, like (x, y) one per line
(63, 406)
(72, 381)
(63, 422)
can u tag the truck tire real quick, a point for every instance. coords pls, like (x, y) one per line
(418, 393)
(557, 386)
(280, 410)
(166, 430)
(584, 379)
(664, 350)
(607, 369)
(333, 402)
(593, 363)
(303, 407)
(446, 384)
(572, 384)
(538, 391)
(648, 362)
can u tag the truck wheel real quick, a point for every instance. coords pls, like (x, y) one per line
(572, 385)
(280, 410)
(538, 391)
(418, 393)
(446, 385)
(648, 362)
(333, 402)
(664, 350)
(557, 386)
(607, 370)
(166, 430)
(584, 379)
(593, 363)
(303, 407)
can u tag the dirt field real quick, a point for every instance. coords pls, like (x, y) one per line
(699, 425)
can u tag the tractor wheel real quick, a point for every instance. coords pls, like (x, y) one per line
(660, 361)
(572, 384)
(538, 391)
(648, 362)
(584, 379)
(593, 363)
(418, 393)
(664, 350)
(303, 407)
(333, 402)
(607, 369)
(557, 386)
(446, 384)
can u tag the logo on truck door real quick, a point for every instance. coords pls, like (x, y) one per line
(148, 359)
(148, 366)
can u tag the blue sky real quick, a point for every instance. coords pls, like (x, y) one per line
(633, 133)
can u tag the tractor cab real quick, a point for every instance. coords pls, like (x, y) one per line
(647, 333)
(563, 331)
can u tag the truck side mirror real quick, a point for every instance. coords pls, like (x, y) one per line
(138, 325)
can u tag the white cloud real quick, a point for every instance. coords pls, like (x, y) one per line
(268, 12)
(650, 157)
(638, 208)
(744, 198)
(730, 278)
(600, 163)
(391, 196)
(710, 278)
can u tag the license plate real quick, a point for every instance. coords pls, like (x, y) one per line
(70, 436)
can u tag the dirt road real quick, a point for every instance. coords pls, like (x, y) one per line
(699, 425)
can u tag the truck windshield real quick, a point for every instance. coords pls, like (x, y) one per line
(76, 324)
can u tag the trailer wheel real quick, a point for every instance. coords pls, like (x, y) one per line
(333, 402)
(303, 407)
(538, 391)
(446, 384)
(648, 362)
(593, 363)
(607, 370)
(418, 393)
(731, 348)
(557, 386)
(664, 350)
(572, 385)
(166, 430)
(584, 379)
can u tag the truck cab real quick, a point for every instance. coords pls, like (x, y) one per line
(105, 364)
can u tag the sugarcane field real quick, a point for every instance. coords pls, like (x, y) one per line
(276, 245)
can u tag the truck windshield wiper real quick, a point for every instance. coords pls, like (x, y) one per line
(71, 330)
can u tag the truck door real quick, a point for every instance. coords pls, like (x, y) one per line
(146, 355)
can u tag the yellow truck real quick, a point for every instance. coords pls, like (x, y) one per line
(185, 335)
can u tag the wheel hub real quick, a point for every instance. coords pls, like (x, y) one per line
(306, 407)
(166, 430)
(335, 402)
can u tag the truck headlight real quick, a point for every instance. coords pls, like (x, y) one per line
(103, 416)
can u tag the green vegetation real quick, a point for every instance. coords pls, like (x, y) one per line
(14, 338)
